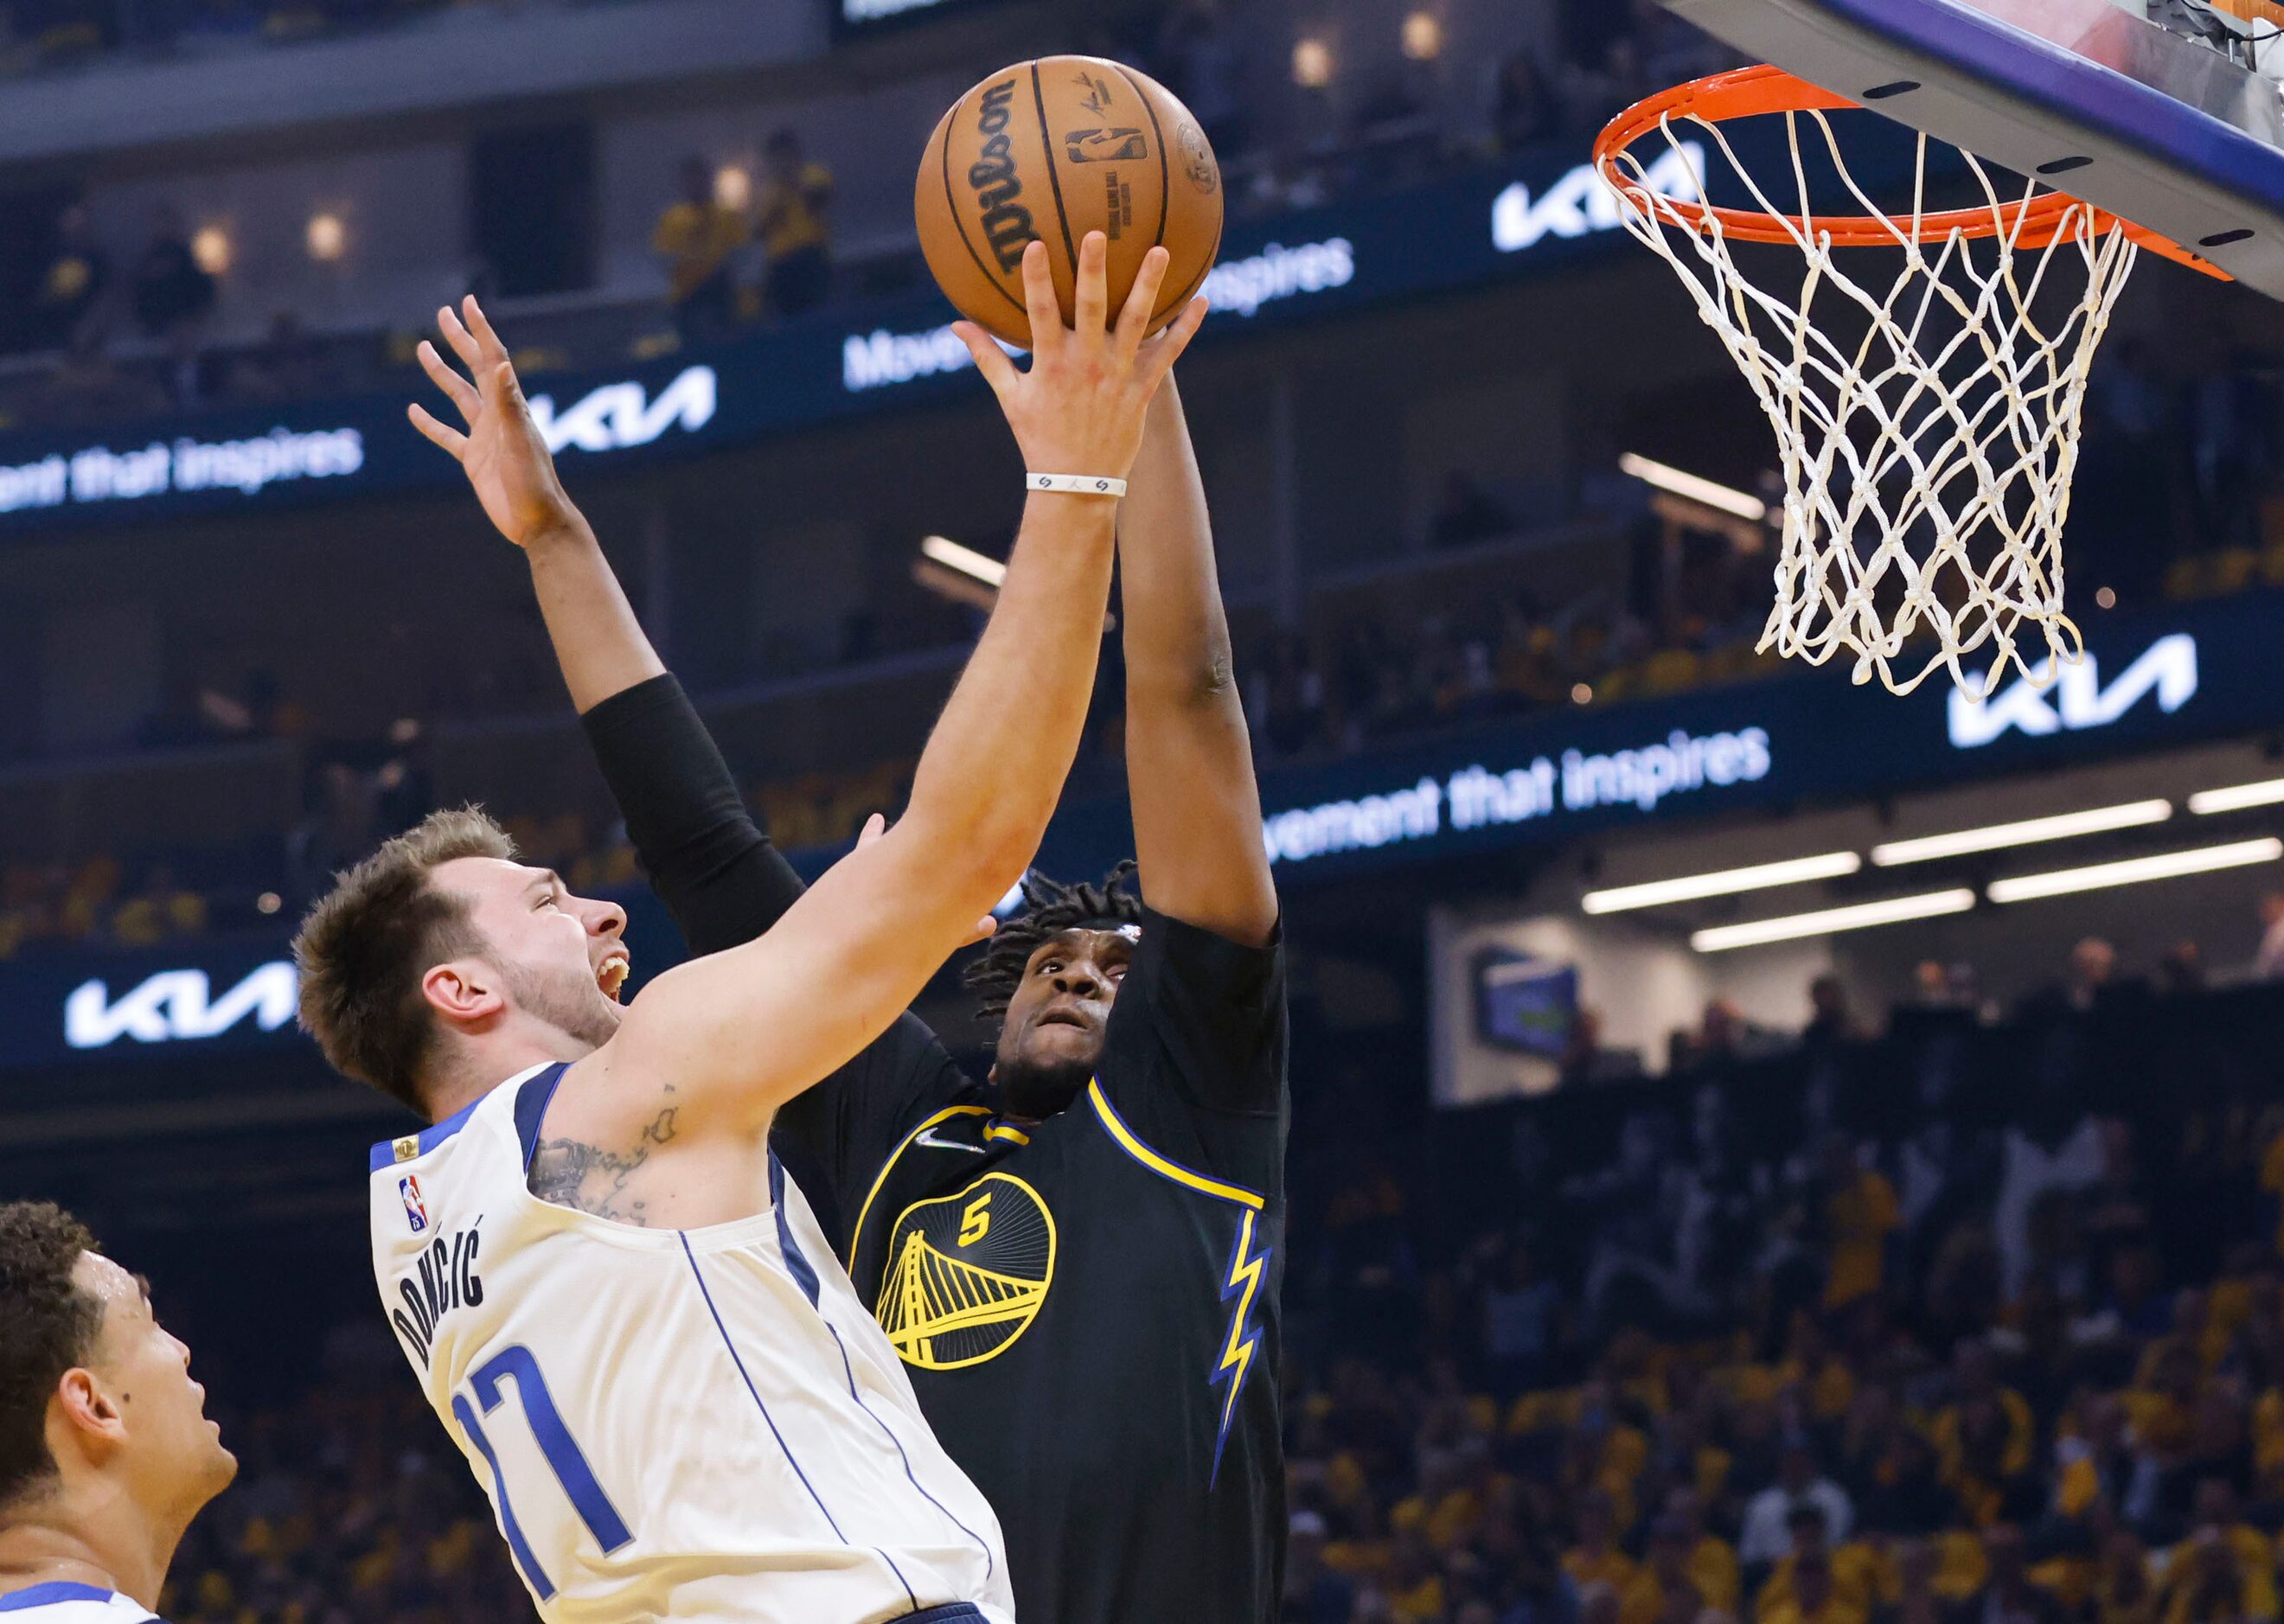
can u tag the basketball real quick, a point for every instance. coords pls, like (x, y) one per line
(1053, 149)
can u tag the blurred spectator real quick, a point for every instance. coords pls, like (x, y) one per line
(791, 214)
(2012, 1596)
(288, 364)
(2181, 970)
(161, 910)
(1524, 112)
(2090, 979)
(1812, 1596)
(1285, 698)
(1521, 1321)
(2230, 422)
(72, 294)
(1767, 1534)
(1466, 513)
(1860, 1215)
(1829, 1021)
(342, 826)
(1984, 1437)
(1604, 78)
(1596, 1562)
(2127, 477)
(698, 238)
(87, 386)
(1917, 1601)
(2125, 1592)
(1203, 67)
(2269, 967)
(1314, 1594)
(1586, 1058)
(173, 299)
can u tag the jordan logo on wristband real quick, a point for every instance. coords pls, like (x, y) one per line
(1078, 484)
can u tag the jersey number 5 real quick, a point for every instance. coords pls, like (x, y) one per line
(556, 1445)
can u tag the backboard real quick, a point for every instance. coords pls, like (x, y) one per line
(2162, 110)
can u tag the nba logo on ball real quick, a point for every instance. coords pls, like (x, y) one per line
(415, 1210)
(1048, 151)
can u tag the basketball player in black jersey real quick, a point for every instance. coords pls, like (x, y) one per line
(1078, 1258)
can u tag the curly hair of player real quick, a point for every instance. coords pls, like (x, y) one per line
(1050, 908)
(47, 1325)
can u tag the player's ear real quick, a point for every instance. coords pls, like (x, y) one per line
(86, 1410)
(464, 991)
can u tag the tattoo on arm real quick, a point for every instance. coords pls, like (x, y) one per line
(589, 1178)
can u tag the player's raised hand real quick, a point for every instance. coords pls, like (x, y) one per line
(1080, 408)
(506, 456)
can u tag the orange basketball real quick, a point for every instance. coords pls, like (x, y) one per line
(1054, 149)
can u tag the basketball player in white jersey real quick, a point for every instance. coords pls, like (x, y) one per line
(106, 1452)
(623, 1311)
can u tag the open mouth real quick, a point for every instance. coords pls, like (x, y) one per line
(613, 976)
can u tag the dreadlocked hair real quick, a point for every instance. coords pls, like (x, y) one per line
(1049, 910)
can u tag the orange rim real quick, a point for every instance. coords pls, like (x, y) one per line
(1746, 92)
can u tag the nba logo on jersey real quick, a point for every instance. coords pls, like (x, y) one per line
(416, 1211)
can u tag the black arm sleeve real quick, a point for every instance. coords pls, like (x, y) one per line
(708, 859)
(716, 870)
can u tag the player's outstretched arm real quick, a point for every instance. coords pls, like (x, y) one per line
(707, 857)
(598, 641)
(1189, 763)
(743, 1030)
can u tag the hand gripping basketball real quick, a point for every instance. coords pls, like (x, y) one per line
(1080, 408)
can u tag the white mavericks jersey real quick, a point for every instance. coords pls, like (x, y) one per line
(671, 1423)
(63, 1603)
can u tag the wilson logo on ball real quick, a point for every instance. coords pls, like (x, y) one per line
(1006, 223)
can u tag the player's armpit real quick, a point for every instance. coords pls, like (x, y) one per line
(596, 1177)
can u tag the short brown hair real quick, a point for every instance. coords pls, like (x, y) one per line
(47, 1326)
(364, 948)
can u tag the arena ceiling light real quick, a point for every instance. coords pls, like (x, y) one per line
(2134, 871)
(1724, 882)
(2237, 797)
(942, 550)
(1832, 921)
(960, 574)
(1725, 498)
(1992, 837)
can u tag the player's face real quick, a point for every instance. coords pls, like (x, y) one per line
(172, 1453)
(1057, 1017)
(561, 955)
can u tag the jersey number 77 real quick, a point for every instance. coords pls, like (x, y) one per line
(560, 1451)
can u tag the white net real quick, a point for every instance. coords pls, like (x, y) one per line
(1927, 426)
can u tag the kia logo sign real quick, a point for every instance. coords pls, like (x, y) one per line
(1582, 203)
(620, 417)
(2079, 701)
(178, 1006)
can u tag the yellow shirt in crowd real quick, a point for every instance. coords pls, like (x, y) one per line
(793, 217)
(699, 239)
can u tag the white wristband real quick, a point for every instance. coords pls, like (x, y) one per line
(1077, 484)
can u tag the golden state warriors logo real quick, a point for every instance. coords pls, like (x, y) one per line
(966, 1273)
